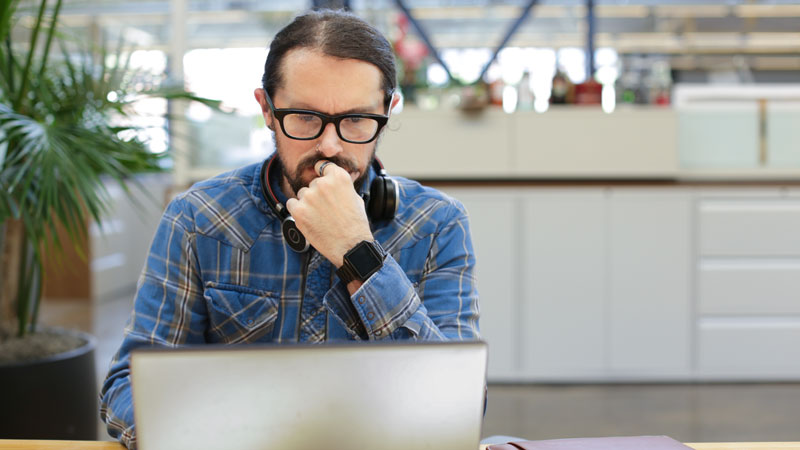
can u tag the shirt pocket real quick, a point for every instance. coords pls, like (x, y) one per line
(238, 314)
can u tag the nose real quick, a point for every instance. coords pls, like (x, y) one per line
(329, 142)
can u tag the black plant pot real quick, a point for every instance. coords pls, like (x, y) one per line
(52, 398)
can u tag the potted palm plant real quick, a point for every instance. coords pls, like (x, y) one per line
(65, 129)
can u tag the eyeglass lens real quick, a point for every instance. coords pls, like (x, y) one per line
(358, 129)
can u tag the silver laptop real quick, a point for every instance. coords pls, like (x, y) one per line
(310, 397)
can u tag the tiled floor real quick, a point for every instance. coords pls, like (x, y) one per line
(687, 412)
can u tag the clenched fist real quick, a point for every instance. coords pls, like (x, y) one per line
(330, 213)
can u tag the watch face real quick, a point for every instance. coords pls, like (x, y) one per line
(364, 259)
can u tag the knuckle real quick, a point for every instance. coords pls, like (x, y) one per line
(291, 204)
(342, 174)
(299, 212)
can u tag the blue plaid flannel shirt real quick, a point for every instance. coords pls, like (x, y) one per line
(219, 271)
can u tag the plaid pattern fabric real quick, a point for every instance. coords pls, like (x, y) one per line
(219, 271)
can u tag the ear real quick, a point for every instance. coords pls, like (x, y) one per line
(261, 98)
(394, 102)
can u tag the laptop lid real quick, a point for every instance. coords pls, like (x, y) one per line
(302, 397)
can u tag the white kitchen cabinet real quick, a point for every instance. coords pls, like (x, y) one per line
(650, 308)
(638, 283)
(564, 284)
(748, 293)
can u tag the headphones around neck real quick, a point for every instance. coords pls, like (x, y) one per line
(380, 202)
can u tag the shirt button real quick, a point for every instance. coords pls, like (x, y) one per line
(370, 315)
(361, 300)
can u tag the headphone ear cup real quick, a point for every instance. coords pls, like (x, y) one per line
(391, 194)
(383, 199)
(293, 236)
(376, 200)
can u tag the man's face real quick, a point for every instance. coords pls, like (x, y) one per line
(315, 81)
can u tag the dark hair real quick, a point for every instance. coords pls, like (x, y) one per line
(335, 33)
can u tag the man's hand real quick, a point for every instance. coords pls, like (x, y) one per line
(330, 213)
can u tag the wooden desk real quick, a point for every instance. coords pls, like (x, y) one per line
(98, 445)
(6, 444)
(723, 446)
(745, 446)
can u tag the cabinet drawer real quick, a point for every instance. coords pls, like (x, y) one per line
(759, 287)
(749, 228)
(749, 348)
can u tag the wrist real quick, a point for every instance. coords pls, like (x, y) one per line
(361, 261)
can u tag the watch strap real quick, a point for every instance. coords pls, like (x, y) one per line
(346, 273)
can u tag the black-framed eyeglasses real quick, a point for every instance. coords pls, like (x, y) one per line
(305, 125)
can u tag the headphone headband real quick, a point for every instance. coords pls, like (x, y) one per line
(266, 188)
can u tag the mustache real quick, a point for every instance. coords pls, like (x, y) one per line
(312, 160)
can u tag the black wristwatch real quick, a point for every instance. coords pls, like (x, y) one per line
(361, 261)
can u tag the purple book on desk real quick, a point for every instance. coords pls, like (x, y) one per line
(604, 443)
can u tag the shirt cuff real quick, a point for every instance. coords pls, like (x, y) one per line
(386, 300)
(380, 306)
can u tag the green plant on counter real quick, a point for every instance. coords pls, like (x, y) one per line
(64, 128)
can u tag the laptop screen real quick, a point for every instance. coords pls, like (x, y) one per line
(349, 396)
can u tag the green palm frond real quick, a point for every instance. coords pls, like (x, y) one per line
(7, 9)
(65, 127)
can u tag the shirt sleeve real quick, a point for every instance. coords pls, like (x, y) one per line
(442, 306)
(168, 311)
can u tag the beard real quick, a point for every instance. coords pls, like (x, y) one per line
(295, 177)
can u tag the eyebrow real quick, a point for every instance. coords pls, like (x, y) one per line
(356, 110)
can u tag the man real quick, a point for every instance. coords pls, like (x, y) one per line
(222, 268)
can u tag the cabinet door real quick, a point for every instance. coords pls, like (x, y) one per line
(719, 135)
(650, 258)
(563, 284)
(493, 217)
